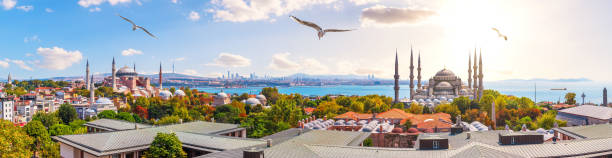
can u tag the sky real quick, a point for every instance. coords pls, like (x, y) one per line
(551, 39)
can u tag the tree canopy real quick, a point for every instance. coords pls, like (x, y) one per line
(14, 142)
(166, 145)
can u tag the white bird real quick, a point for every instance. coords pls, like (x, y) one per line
(499, 34)
(320, 31)
(134, 26)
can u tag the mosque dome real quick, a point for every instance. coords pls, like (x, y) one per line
(445, 73)
(444, 85)
(104, 101)
(179, 93)
(221, 95)
(260, 97)
(252, 101)
(126, 72)
(165, 94)
(59, 93)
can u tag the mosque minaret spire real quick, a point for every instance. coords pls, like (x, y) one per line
(419, 72)
(411, 75)
(114, 82)
(91, 92)
(9, 80)
(469, 70)
(160, 76)
(396, 78)
(87, 75)
(480, 76)
(475, 88)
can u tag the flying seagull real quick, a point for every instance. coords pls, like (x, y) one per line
(134, 26)
(320, 31)
(499, 34)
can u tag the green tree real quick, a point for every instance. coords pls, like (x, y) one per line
(60, 129)
(168, 120)
(449, 109)
(570, 98)
(13, 141)
(548, 119)
(271, 94)
(166, 145)
(50, 149)
(76, 124)
(415, 108)
(109, 114)
(38, 132)
(125, 116)
(367, 142)
(407, 125)
(357, 107)
(67, 113)
(172, 90)
(463, 103)
(47, 119)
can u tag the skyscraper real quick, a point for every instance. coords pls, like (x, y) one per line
(396, 77)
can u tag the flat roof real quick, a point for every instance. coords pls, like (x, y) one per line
(114, 125)
(588, 131)
(197, 135)
(598, 112)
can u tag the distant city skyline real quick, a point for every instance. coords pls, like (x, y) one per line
(208, 38)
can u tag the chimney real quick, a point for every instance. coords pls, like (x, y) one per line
(381, 129)
(212, 120)
(135, 125)
(325, 118)
(180, 121)
(524, 128)
(469, 135)
(268, 143)
(253, 153)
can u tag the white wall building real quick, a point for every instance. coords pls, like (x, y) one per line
(7, 109)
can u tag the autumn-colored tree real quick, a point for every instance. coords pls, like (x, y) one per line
(415, 108)
(13, 141)
(570, 98)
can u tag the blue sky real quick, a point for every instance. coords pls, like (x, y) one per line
(569, 39)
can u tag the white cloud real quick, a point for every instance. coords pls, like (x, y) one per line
(380, 15)
(49, 10)
(57, 58)
(179, 59)
(130, 52)
(230, 60)
(368, 70)
(9, 4)
(96, 9)
(88, 3)
(4, 64)
(281, 62)
(19, 63)
(253, 10)
(194, 16)
(25, 8)
(31, 39)
(362, 2)
(174, 1)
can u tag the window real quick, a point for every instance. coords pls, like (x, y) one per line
(436, 144)
(116, 156)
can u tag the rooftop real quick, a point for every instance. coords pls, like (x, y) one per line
(599, 112)
(590, 131)
(114, 125)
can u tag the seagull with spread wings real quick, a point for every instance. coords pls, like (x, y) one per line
(134, 26)
(320, 31)
(499, 34)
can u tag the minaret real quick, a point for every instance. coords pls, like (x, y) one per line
(160, 77)
(419, 72)
(396, 77)
(469, 70)
(114, 82)
(134, 67)
(9, 80)
(480, 75)
(475, 88)
(87, 75)
(411, 75)
(91, 92)
(605, 97)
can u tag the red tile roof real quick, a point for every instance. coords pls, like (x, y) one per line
(309, 110)
(394, 114)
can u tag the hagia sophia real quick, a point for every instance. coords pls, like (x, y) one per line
(444, 86)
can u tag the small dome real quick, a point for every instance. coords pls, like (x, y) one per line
(252, 101)
(59, 93)
(165, 94)
(104, 101)
(413, 130)
(179, 93)
(445, 73)
(397, 130)
(260, 97)
(221, 95)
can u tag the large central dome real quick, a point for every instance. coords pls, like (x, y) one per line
(445, 73)
(126, 71)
